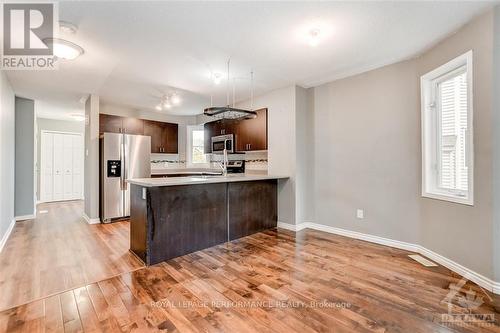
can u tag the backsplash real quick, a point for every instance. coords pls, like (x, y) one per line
(253, 160)
(166, 161)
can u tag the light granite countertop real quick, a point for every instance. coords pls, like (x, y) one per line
(191, 180)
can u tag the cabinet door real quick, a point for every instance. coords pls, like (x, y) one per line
(257, 129)
(209, 131)
(133, 126)
(154, 129)
(110, 124)
(170, 138)
(251, 134)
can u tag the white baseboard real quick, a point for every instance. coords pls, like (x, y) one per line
(89, 220)
(7, 234)
(25, 217)
(467, 273)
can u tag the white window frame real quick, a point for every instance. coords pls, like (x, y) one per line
(430, 137)
(189, 148)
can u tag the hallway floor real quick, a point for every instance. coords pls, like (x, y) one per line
(58, 251)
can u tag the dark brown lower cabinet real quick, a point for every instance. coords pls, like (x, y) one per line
(175, 220)
(252, 207)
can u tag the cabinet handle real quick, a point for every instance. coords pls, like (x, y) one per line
(249, 146)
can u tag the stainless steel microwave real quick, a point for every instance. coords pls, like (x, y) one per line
(221, 141)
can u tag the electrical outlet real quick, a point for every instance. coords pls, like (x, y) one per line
(360, 214)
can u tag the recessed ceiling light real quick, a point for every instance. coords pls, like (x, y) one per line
(217, 77)
(314, 36)
(314, 32)
(64, 49)
(67, 27)
(175, 99)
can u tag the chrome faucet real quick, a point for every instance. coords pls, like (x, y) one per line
(224, 162)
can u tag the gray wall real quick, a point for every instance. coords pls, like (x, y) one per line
(44, 124)
(368, 152)
(459, 232)
(7, 154)
(91, 172)
(368, 155)
(496, 144)
(25, 157)
(304, 133)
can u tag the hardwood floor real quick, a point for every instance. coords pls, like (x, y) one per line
(275, 281)
(58, 251)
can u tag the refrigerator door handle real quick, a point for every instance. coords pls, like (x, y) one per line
(125, 175)
(122, 160)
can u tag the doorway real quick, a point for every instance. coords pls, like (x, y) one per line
(61, 176)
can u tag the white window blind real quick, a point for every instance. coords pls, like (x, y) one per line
(453, 131)
(447, 131)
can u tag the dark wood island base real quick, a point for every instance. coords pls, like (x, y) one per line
(170, 221)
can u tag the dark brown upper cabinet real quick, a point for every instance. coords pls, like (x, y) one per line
(249, 134)
(209, 131)
(170, 138)
(133, 126)
(164, 136)
(116, 124)
(154, 129)
(110, 124)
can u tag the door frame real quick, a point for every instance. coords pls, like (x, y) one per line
(42, 132)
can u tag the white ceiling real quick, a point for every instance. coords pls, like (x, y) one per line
(135, 51)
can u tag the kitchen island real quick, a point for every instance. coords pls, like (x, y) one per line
(170, 217)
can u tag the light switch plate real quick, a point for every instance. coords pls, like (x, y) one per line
(360, 214)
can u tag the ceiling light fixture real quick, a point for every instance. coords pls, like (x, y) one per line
(167, 101)
(166, 104)
(64, 49)
(217, 77)
(314, 37)
(176, 100)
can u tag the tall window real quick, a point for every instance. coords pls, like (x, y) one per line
(195, 146)
(447, 168)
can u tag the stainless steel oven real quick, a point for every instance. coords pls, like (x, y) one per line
(218, 143)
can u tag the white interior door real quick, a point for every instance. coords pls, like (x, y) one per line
(58, 193)
(68, 166)
(47, 167)
(77, 166)
(62, 165)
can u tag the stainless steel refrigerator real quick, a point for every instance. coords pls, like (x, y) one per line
(123, 156)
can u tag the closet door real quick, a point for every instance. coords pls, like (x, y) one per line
(68, 166)
(47, 168)
(58, 193)
(77, 167)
